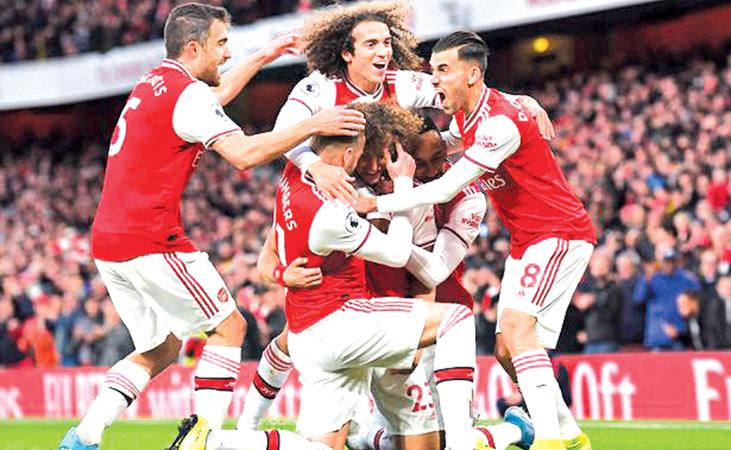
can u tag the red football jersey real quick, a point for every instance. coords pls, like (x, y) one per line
(522, 178)
(343, 277)
(169, 119)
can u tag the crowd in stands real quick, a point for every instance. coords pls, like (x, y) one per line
(648, 149)
(40, 29)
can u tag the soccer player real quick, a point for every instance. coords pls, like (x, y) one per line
(441, 269)
(375, 62)
(364, 52)
(163, 287)
(404, 400)
(552, 236)
(336, 333)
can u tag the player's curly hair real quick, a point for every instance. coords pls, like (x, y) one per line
(384, 122)
(328, 33)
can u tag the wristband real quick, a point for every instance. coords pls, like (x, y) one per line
(278, 275)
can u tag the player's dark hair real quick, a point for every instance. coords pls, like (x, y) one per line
(384, 122)
(427, 124)
(326, 34)
(470, 44)
(190, 22)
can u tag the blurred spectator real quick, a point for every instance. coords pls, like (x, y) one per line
(115, 342)
(659, 290)
(600, 299)
(40, 29)
(645, 146)
(10, 354)
(485, 323)
(699, 334)
(632, 317)
(87, 332)
(724, 294)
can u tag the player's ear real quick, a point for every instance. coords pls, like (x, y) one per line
(475, 75)
(347, 56)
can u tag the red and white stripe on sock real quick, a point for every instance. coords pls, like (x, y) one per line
(128, 379)
(273, 370)
(538, 385)
(454, 363)
(214, 381)
(218, 368)
(534, 359)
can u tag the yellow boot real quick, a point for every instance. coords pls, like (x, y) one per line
(548, 444)
(580, 442)
(482, 446)
(192, 434)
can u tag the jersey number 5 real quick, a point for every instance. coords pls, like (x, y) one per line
(121, 130)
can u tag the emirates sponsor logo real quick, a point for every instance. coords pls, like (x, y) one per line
(473, 221)
(485, 142)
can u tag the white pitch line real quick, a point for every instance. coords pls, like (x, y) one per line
(661, 425)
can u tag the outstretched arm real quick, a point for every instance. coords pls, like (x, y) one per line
(453, 241)
(246, 152)
(234, 80)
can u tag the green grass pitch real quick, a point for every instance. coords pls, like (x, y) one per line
(154, 435)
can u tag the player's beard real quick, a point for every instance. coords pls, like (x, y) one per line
(212, 77)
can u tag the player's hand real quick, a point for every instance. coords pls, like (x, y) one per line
(289, 44)
(339, 121)
(296, 275)
(404, 166)
(364, 205)
(537, 112)
(334, 182)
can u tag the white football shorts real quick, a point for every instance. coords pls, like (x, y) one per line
(542, 283)
(334, 358)
(163, 293)
(404, 402)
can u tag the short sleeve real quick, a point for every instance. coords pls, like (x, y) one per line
(198, 117)
(314, 93)
(337, 227)
(467, 215)
(496, 138)
(414, 90)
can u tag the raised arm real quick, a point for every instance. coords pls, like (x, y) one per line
(234, 80)
(246, 152)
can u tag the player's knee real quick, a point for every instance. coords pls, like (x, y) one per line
(282, 341)
(231, 331)
(171, 352)
(502, 354)
(515, 325)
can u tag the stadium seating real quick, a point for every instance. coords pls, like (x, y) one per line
(646, 148)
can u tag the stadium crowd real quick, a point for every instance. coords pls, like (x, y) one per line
(647, 148)
(40, 29)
